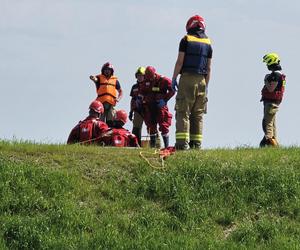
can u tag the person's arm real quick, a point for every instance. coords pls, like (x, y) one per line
(120, 94)
(120, 91)
(170, 91)
(178, 64)
(207, 78)
(94, 78)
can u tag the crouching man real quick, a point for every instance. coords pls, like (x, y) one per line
(90, 130)
(118, 136)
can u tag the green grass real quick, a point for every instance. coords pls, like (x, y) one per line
(76, 197)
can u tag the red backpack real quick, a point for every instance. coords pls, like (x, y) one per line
(119, 138)
(86, 131)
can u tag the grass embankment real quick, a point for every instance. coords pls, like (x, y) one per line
(74, 197)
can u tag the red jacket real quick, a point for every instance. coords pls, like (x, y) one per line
(87, 131)
(119, 137)
(160, 88)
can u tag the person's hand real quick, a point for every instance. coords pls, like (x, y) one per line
(161, 103)
(93, 78)
(174, 84)
(130, 115)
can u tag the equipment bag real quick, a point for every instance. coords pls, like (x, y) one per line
(86, 131)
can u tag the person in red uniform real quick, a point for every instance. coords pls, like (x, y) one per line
(109, 91)
(156, 91)
(118, 136)
(91, 128)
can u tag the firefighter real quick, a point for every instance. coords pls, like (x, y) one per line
(194, 65)
(156, 91)
(136, 108)
(109, 91)
(91, 128)
(118, 136)
(271, 96)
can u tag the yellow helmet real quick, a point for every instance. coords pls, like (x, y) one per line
(271, 58)
(140, 70)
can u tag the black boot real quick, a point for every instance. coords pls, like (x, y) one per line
(195, 144)
(138, 133)
(263, 142)
(152, 141)
(166, 141)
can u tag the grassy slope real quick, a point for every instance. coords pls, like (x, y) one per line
(72, 197)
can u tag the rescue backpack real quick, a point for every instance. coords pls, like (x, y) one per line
(86, 131)
(120, 138)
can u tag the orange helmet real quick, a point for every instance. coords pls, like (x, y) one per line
(121, 115)
(97, 107)
(195, 21)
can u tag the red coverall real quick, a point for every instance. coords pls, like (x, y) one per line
(79, 135)
(152, 92)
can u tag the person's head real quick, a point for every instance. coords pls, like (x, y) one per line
(195, 23)
(107, 69)
(120, 118)
(272, 61)
(140, 74)
(96, 109)
(150, 73)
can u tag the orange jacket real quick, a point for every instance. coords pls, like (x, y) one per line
(107, 91)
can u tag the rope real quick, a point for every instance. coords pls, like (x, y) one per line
(154, 157)
(162, 155)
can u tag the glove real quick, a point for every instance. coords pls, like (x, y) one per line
(174, 84)
(130, 115)
(161, 103)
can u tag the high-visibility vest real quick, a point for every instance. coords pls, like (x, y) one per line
(107, 91)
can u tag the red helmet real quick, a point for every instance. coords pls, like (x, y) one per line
(195, 21)
(150, 73)
(107, 65)
(97, 107)
(121, 115)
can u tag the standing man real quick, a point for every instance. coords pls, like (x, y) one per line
(271, 96)
(194, 65)
(108, 90)
(156, 91)
(136, 109)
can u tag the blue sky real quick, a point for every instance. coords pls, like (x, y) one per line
(49, 48)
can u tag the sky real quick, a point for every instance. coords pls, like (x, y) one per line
(48, 50)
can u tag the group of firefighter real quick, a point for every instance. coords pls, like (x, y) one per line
(104, 125)
(152, 91)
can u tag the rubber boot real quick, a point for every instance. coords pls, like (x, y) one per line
(263, 142)
(195, 144)
(152, 141)
(166, 141)
(138, 133)
(272, 142)
(157, 141)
